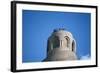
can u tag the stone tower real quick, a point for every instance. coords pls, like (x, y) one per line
(61, 46)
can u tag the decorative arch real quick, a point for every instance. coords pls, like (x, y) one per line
(52, 42)
(73, 46)
(56, 42)
(68, 41)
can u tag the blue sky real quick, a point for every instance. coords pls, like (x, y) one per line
(37, 26)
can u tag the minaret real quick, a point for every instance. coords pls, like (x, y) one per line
(61, 46)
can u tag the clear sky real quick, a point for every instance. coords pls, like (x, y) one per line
(37, 26)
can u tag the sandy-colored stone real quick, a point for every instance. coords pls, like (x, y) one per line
(61, 46)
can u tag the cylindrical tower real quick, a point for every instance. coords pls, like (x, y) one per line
(61, 46)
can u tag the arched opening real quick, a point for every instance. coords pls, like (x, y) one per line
(73, 46)
(48, 46)
(68, 41)
(56, 42)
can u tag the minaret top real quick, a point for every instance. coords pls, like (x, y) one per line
(58, 29)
